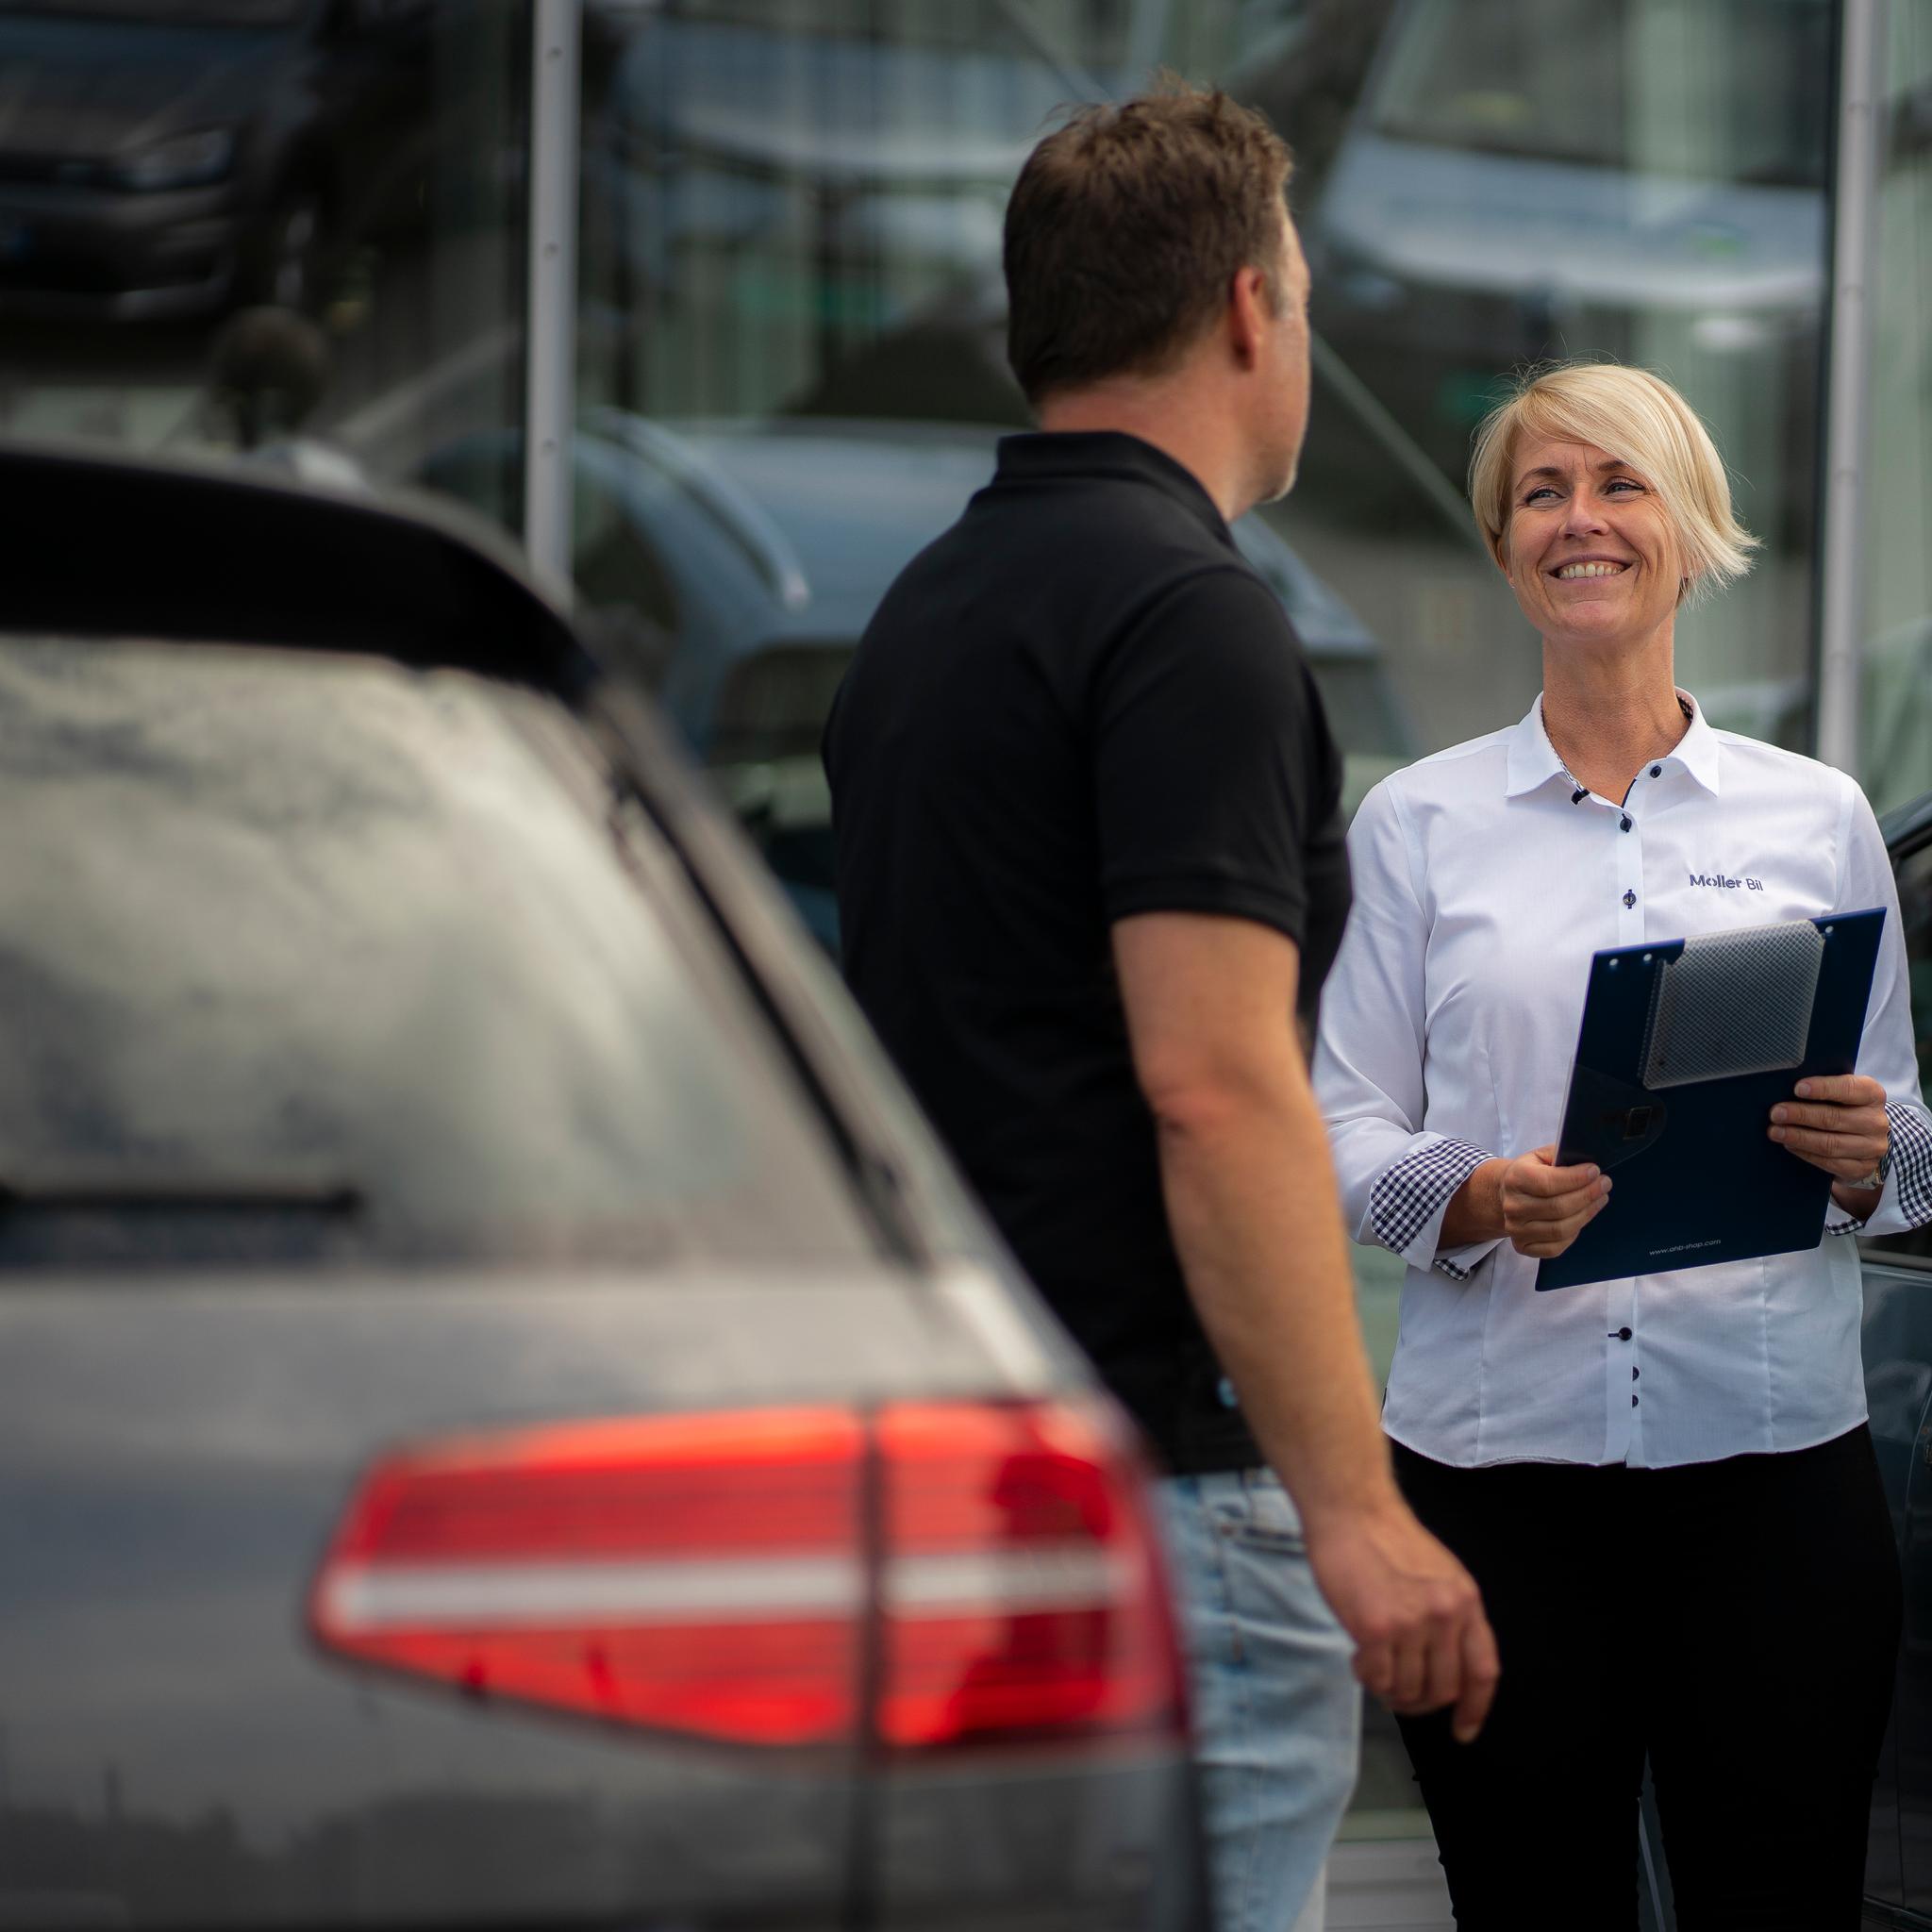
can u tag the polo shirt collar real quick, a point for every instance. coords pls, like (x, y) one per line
(1110, 454)
(1533, 760)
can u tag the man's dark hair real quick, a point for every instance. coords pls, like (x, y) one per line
(1127, 227)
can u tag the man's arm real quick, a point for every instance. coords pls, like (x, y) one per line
(1251, 1199)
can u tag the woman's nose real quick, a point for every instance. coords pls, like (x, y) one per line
(1584, 512)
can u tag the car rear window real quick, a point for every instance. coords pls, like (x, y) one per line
(310, 957)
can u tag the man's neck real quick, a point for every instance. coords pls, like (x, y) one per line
(1174, 419)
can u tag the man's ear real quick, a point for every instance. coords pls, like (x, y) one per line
(1248, 314)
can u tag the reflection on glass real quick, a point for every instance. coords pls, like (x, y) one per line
(1896, 712)
(735, 563)
(1641, 179)
(770, 187)
(167, 12)
(232, 222)
(792, 211)
(1565, 81)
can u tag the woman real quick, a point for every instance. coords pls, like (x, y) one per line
(1663, 1486)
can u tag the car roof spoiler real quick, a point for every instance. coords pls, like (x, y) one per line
(103, 546)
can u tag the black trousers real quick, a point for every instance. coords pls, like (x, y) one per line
(1737, 1621)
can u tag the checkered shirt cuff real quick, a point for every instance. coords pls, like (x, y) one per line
(1911, 1169)
(1413, 1192)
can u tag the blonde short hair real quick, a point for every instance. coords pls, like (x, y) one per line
(1635, 415)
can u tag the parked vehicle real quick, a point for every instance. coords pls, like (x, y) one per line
(505, 1415)
(168, 157)
(1898, 1388)
(736, 564)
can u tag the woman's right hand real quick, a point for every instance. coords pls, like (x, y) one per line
(1538, 1206)
(1544, 1206)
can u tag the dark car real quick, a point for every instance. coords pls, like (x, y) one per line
(165, 158)
(1898, 1389)
(736, 564)
(505, 1416)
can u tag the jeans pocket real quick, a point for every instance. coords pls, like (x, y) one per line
(1250, 1506)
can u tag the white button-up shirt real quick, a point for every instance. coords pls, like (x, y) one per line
(1484, 880)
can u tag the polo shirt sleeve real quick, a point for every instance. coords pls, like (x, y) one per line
(1211, 757)
(1887, 1052)
(1396, 1178)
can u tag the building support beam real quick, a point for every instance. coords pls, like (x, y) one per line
(1848, 418)
(551, 313)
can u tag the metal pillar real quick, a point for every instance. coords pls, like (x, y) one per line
(1847, 418)
(551, 315)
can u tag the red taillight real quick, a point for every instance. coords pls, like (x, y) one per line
(1022, 1590)
(693, 1574)
(930, 1575)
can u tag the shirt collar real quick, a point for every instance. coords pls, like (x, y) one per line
(1111, 454)
(1533, 760)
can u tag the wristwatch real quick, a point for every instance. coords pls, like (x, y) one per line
(1876, 1180)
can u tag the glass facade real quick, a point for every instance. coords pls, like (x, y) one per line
(291, 227)
(296, 230)
(1896, 712)
(791, 304)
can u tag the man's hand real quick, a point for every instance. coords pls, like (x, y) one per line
(1837, 1123)
(1422, 1639)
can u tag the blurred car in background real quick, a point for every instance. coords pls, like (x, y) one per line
(1515, 184)
(505, 1417)
(735, 565)
(743, 138)
(164, 157)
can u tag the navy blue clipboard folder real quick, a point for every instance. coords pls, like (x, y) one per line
(1686, 1047)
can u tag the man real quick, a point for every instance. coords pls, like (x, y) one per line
(1091, 866)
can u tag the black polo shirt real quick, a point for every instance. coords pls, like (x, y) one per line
(1080, 702)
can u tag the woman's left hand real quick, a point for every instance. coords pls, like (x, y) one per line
(1837, 1122)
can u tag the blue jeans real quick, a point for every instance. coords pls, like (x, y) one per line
(1278, 1712)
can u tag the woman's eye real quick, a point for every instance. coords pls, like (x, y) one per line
(1622, 483)
(1543, 490)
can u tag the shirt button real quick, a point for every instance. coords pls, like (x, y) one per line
(1624, 823)
(1633, 1375)
(1622, 1335)
(1629, 898)
(1656, 770)
(1633, 1402)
